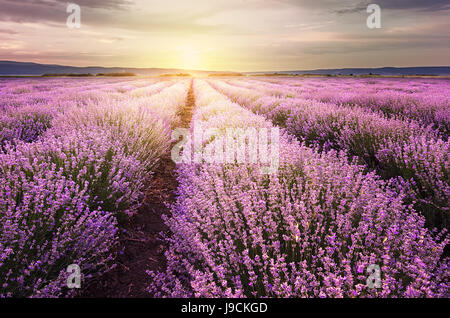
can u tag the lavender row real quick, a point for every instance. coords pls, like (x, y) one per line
(63, 196)
(311, 230)
(28, 122)
(426, 101)
(71, 92)
(393, 147)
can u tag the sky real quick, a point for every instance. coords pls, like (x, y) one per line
(227, 35)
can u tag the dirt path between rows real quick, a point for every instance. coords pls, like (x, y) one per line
(141, 246)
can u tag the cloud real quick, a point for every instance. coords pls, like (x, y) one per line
(350, 6)
(52, 11)
(258, 33)
(8, 31)
(119, 14)
(407, 5)
(427, 5)
(102, 4)
(110, 40)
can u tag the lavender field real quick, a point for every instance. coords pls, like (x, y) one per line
(361, 181)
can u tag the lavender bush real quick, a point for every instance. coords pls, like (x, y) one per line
(393, 147)
(423, 100)
(62, 195)
(309, 231)
(76, 156)
(46, 218)
(25, 125)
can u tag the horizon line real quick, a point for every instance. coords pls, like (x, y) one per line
(229, 71)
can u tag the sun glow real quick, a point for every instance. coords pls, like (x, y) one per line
(190, 58)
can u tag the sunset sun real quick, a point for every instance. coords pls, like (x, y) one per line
(189, 58)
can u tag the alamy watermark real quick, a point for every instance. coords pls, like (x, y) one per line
(374, 279)
(74, 18)
(74, 278)
(374, 19)
(231, 145)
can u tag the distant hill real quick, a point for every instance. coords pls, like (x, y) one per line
(425, 70)
(34, 69)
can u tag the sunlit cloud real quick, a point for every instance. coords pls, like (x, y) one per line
(240, 35)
